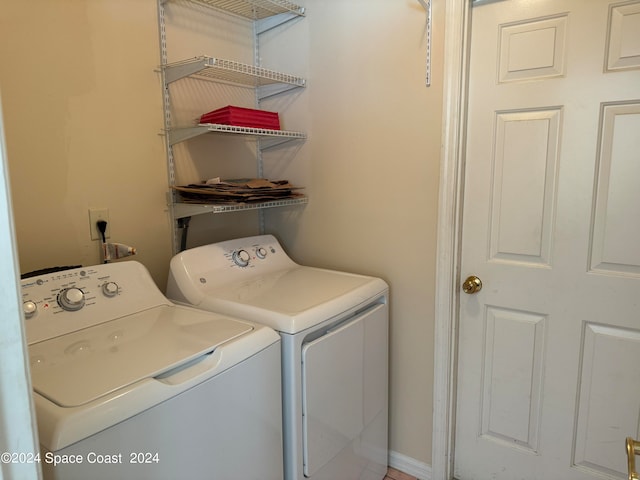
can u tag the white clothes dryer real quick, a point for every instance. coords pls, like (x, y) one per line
(334, 331)
(128, 385)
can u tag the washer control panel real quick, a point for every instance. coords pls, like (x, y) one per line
(58, 303)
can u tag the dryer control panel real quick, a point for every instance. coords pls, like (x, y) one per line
(250, 255)
(62, 302)
(200, 269)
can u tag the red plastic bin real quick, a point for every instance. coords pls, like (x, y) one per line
(243, 117)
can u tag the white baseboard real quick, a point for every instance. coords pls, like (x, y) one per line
(409, 465)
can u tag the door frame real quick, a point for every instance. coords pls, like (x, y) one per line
(452, 161)
(18, 429)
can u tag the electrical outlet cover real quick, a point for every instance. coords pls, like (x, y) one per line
(96, 214)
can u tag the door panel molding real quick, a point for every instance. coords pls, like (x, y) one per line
(622, 53)
(525, 169)
(513, 348)
(616, 195)
(545, 37)
(609, 356)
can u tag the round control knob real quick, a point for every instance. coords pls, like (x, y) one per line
(29, 308)
(110, 289)
(241, 258)
(261, 252)
(71, 299)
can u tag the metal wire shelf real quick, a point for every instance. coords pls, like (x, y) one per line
(218, 69)
(265, 16)
(270, 138)
(181, 210)
(254, 9)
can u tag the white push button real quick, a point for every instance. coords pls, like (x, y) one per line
(29, 308)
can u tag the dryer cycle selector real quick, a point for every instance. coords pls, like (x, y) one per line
(71, 299)
(241, 258)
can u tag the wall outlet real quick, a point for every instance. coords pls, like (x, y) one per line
(96, 214)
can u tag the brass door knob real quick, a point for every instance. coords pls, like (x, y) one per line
(472, 285)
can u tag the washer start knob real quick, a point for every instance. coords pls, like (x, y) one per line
(71, 299)
(241, 258)
(110, 289)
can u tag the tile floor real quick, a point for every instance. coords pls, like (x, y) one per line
(393, 474)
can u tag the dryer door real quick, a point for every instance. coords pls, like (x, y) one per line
(340, 392)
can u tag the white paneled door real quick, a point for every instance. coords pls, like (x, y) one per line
(549, 347)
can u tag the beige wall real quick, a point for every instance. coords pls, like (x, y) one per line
(83, 113)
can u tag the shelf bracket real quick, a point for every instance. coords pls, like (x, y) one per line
(266, 91)
(181, 134)
(176, 72)
(267, 143)
(426, 4)
(266, 24)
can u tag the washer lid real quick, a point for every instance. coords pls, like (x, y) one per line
(74, 369)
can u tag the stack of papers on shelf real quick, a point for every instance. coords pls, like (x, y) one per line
(238, 191)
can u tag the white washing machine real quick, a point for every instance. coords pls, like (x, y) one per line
(334, 331)
(129, 385)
